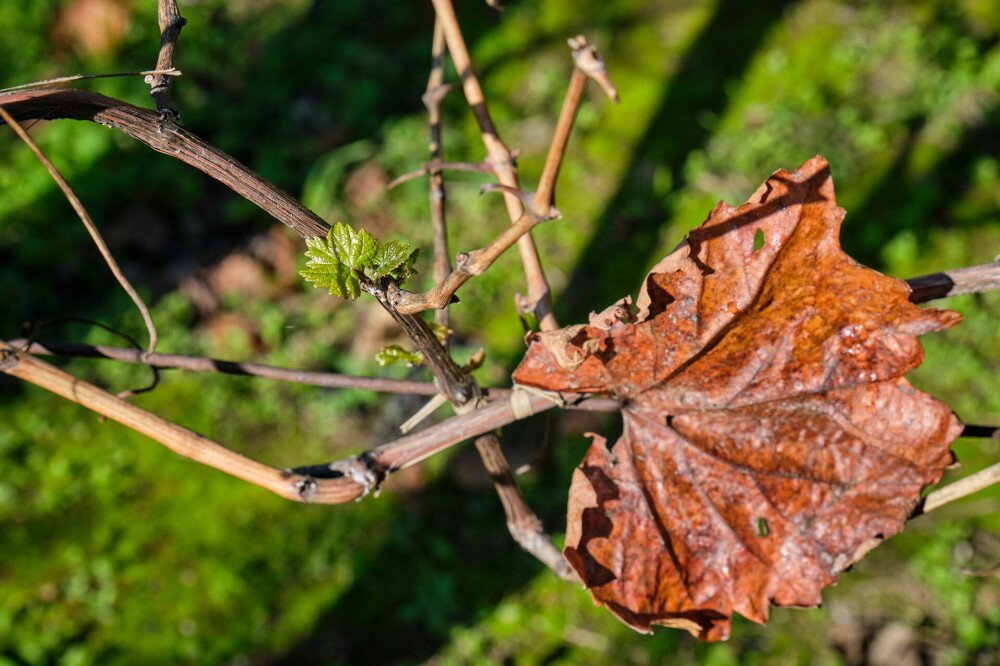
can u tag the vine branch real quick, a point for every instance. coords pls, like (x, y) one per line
(523, 524)
(499, 157)
(587, 64)
(331, 483)
(465, 396)
(432, 98)
(182, 441)
(88, 223)
(204, 364)
(337, 482)
(145, 126)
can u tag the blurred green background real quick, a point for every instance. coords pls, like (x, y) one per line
(115, 551)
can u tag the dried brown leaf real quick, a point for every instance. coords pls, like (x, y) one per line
(770, 439)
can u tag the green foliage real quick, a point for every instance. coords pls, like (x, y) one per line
(395, 260)
(353, 249)
(337, 261)
(392, 354)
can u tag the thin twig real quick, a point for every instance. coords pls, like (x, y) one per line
(959, 489)
(527, 200)
(48, 83)
(499, 157)
(435, 166)
(34, 327)
(203, 364)
(587, 64)
(436, 90)
(84, 216)
(970, 280)
(967, 485)
(467, 265)
(147, 127)
(293, 375)
(545, 194)
(171, 22)
(524, 526)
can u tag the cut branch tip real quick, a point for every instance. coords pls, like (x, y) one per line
(588, 60)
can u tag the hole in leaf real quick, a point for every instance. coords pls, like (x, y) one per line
(758, 240)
